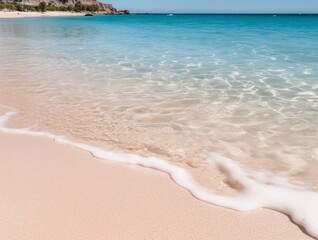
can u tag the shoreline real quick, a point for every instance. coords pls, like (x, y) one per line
(69, 190)
(109, 137)
(16, 14)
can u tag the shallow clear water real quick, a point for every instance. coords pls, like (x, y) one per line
(179, 87)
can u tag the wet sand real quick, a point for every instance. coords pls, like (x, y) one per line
(54, 191)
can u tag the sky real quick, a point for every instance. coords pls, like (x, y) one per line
(217, 6)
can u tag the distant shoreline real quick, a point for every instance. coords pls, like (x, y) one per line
(16, 14)
(287, 14)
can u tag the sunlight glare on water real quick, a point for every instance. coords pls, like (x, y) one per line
(178, 87)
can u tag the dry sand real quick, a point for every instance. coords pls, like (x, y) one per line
(54, 191)
(37, 14)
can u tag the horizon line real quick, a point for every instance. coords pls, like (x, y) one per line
(231, 13)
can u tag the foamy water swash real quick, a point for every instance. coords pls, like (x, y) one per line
(227, 105)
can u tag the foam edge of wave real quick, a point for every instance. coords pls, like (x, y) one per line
(300, 205)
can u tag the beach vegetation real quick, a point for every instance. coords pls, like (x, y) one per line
(27, 8)
(92, 8)
(51, 8)
(2, 5)
(8, 6)
(62, 8)
(42, 6)
(78, 7)
(20, 8)
(70, 8)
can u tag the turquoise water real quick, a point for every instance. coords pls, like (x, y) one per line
(179, 87)
(231, 99)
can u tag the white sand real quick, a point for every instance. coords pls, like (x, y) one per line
(53, 191)
(37, 14)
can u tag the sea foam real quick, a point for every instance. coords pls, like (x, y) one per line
(300, 205)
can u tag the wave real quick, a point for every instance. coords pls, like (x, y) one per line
(299, 204)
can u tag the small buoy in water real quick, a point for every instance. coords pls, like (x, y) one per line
(170, 15)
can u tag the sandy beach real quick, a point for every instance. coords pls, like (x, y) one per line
(54, 191)
(109, 130)
(16, 14)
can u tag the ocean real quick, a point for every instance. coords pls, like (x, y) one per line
(186, 89)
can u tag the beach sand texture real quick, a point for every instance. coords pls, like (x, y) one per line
(16, 14)
(144, 103)
(54, 191)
